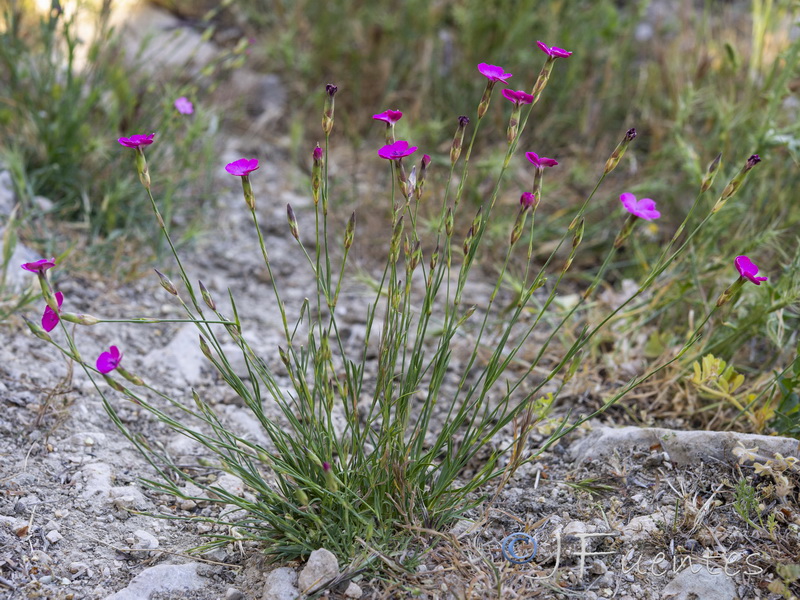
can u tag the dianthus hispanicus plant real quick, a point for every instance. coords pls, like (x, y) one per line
(370, 451)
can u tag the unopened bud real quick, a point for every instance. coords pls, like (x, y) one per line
(349, 231)
(416, 255)
(204, 348)
(394, 249)
(468, 240)
(80, 319)
(324, 349)
(619, 151)
(434, 257)
(448, 222)
(466, 316)
(166, 283)
(292, 222)
(114, 384)
(519, 224)
(578, 235)
(458, 140)
(711, 173)
(478, 220)
(134, 379)
(735, 183)
(207, 297)
(330, 478)
(316, 173)
(284, 356)
(37, 330)
(327, 113)
(423, 169)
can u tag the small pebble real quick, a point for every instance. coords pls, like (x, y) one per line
(234, 594)
(77, 567)
(54, 537)
(46, 579)
(353, 590)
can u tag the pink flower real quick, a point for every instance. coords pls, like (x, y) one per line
(135, 141)
(748, 270)
(517, 97)
(540, 161)
(644, 208)
(388, 116)
(493, 73)
(553, 51)
(50, 317)
(108, 361)
(40, 266)
(397, 150)
(242, 167)
(527, 200)
(184, 105)
(317, 154)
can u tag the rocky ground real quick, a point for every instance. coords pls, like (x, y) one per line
(624, 513)
(654, 509)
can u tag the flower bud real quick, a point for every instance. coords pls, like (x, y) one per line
(735, 183)
(448, 222)
(519, 224)
(327, 113)
(619, 151)
(416, 255)
(330, 479)
(349, 231)
(37, 330)
(204, 348)
(478, 220)
(434, 258)
(578, 236)
(316, 173)
(284, 356)
(134, 379)
(114, 384)
(711, 173)
(423, 169)
(80, 319)
(292, 222)
(166, 283)
(458, 140)
(207, 297)
(468, 240)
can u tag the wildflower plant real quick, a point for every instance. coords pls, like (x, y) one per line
(368, 451)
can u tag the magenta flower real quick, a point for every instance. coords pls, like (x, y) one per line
(748, 270)
(184, 105)
(242, 167)
(517, 97)
(527, 200)
(317, 154)
(540, 161)
(494, 73)
(40, 266)
(397, 150)
(553, 51)
(108, 361)
(389, 117)
(50, 317)
(644, 208)
(135, 141)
